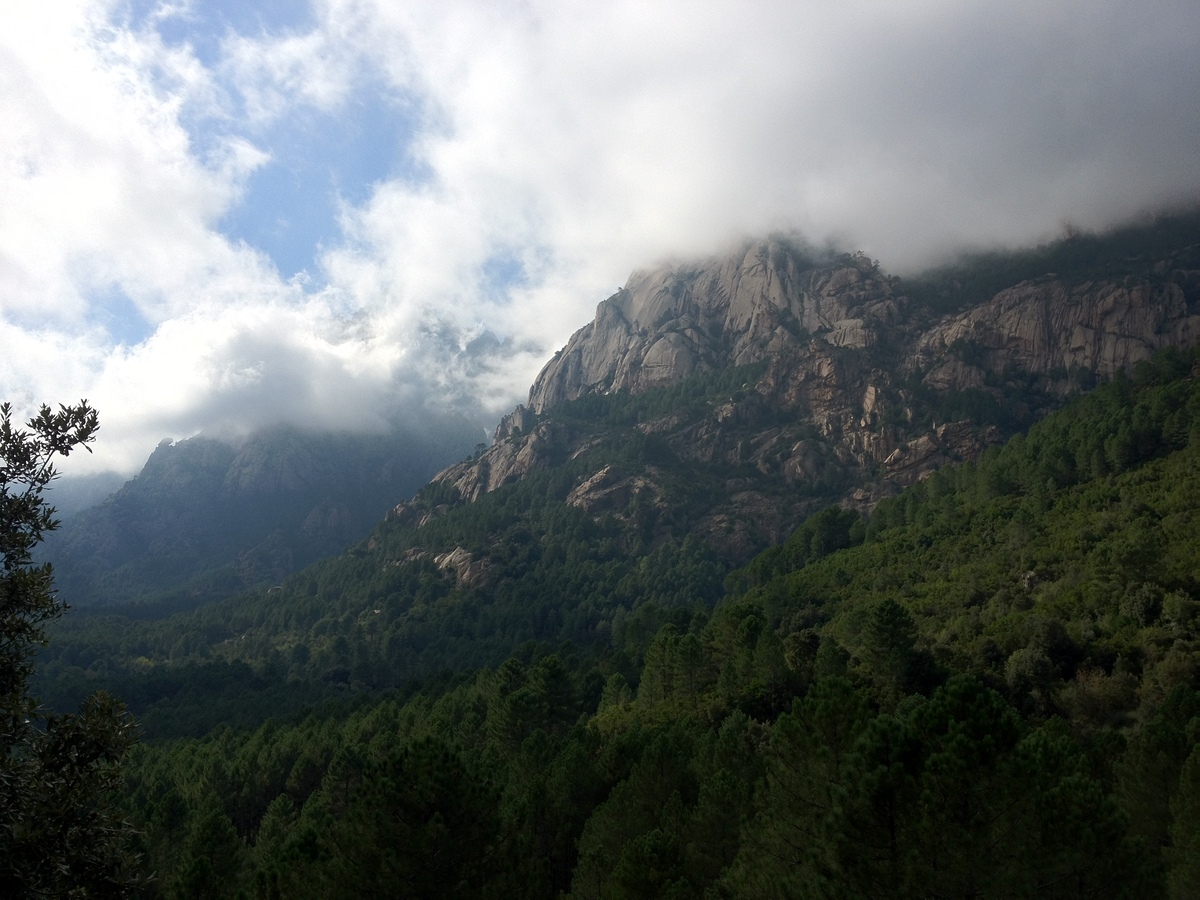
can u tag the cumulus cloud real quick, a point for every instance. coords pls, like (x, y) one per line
(549, 148)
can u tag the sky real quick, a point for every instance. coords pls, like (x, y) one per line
(343, 214)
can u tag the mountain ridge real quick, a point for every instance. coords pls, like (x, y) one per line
(237, 515)
(878, 384)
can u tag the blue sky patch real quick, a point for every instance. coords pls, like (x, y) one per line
(318, 161)
(500, 273)
(207, 22)
(119, 316)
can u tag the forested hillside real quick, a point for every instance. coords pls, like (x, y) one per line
(458, 586)
(989, 687)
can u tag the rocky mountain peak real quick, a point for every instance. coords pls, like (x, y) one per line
(840, 382)
(672, 322)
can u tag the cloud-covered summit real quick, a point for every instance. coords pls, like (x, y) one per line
(222, 215)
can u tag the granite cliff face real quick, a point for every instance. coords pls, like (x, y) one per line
(859, 389)
(667, 324)
(768, 301)
(1049, 327)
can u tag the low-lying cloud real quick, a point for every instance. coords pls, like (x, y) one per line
(549, 148)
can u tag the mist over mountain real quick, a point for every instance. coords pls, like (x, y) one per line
(73, 494)
(236, 215)
(847, 384)
(236, 514)
(846, 546)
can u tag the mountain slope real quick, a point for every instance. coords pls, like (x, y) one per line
(856, 378)
(724, 462)
(236, 516)
(993, 686)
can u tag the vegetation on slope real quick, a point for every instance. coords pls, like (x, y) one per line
(386, 612)
(992, 687)
(1140, 251)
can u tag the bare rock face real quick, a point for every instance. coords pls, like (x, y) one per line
(955, 374)
(952, 442)
(1047, 326)
(609, 491)
(508, 459)
(463, 565)
(771, 301)
(519, 420)
(668, 324)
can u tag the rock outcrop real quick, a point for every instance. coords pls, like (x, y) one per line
(608, 490)
(1049, 328)
(670, 323)
(509, 459)
(463, 565)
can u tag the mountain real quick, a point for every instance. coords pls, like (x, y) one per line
(813, 378)
(774, 300)
(216, 517)
(75, 493)
(854, 388)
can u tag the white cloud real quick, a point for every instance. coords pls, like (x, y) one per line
(100, 186)
(275, 73)
(580, 140)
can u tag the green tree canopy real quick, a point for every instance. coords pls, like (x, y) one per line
(59, 833)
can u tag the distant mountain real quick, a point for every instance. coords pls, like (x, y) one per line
(209, 518)
(72, 494)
